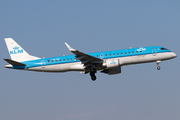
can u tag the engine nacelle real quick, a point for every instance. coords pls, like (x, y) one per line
(113, 67)
(112, 71)
(111, 63)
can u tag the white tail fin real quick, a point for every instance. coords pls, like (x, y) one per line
(16, 52)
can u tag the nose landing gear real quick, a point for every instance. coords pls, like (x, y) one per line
(158, 62)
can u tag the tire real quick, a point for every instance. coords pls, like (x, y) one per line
(93, 78)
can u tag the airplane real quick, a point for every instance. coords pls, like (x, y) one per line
(108, 62)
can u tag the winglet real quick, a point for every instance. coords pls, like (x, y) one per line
(69, 47)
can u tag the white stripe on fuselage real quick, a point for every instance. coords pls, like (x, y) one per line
(77, 66)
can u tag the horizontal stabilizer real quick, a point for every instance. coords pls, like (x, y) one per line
(14, 63)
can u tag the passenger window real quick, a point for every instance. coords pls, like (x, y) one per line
(67, 59)
(113, 54)
(140, 51)
(106, 54)
(133, 52)
(52, 61)
(63, 59)
(136, 51)
(125, 52)
(117, 53)
(129, 52)
(48, 61)
(97, 55)
(60, 60)
(121, 53)
(71, 58)
(56, 60)
(109, 54)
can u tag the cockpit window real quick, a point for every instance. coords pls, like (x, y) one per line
(164, 49)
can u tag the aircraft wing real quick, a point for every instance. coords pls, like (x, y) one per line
(84, 58)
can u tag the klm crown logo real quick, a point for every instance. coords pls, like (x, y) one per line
(16, 50)
(141, 49)
(113, 63)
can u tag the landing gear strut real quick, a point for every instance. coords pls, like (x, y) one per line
(93, 76)
(158, 62)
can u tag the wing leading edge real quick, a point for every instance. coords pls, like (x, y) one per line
(84, 58)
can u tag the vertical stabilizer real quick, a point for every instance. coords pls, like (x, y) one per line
(16, 52)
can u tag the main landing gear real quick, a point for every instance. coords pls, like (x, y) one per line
(158, 62)
(92, 73)
(93, 76)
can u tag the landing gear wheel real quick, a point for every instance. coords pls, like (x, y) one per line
(93, 78)
(158, 67)
(92, 74)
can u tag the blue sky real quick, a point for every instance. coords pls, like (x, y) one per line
(41, 27)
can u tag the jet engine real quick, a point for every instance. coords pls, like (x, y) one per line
(112, 71)
(113, 67)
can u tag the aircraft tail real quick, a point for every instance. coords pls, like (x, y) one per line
(16, 52)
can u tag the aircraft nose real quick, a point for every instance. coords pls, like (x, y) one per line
(173, 55)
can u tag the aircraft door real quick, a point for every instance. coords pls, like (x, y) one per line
(43, 63)
(154, 51)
